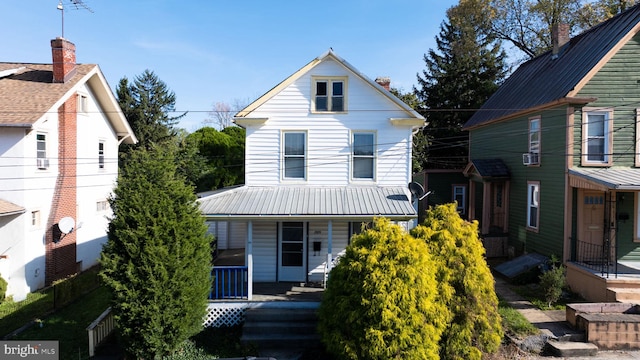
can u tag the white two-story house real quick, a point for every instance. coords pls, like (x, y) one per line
(327, 150)
(60, 128)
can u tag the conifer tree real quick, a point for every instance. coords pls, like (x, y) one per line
(460, 75)
(466, 285)
(381, 298)
(157, 258)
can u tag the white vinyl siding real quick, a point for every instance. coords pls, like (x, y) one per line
(328, 135)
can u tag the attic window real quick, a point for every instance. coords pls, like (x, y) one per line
(329, 94)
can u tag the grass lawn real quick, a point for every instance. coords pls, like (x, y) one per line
(69, 324)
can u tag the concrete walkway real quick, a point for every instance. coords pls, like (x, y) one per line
(553, 325)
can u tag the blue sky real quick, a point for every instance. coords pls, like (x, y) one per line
(226, 50)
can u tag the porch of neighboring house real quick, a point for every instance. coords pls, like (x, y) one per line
(609, 282)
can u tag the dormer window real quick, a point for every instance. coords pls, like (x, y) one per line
(329, 94)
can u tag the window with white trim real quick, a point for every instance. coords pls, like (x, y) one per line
(363, 155)
(534, 141)
(101, 154)
(102, 206)
(329, 94)
(35, 218)
(295, 162)
(83, 104)
(533, 205)
(597, 137)
(42, 162)
(460, 197)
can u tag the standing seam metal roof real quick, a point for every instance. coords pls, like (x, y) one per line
(309, 201)
(546, 78)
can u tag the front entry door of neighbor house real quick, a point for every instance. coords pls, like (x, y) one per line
(592, 218)
(292, 250)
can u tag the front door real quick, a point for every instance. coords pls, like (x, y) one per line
(592, 218)
(497, 218)
(292, 250)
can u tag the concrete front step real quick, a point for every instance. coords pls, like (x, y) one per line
(275, 315)
(571, 348)
(279, 328)
(630, 295)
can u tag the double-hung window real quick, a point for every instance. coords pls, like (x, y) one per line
(460, 197)
(101, 154)
(534, 141)
(597, 137)
(363, 155)
(329, 94)
(42, 162)
(295, 163)
(533, 205)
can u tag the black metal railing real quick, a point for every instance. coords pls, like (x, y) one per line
(593, 256)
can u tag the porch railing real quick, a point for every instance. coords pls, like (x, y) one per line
(593, 256)
(229, 282)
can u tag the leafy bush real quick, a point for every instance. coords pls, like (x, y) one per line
(3, 289)
(552, 283)
(466, 285)
(381, 298)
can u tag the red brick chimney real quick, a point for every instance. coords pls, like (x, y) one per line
(64, 59)
(385, 82)
(559, 37)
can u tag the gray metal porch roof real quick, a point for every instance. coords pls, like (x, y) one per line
(308, 202)
(611, 178)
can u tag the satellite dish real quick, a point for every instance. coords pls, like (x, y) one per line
(66, 224)
(416, 189)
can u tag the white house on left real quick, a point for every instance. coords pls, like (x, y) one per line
(60, 129)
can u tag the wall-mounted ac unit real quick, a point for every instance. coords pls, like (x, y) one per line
(530, 159)
(42, 163)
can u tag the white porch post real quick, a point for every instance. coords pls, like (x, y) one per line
(329, 245)
(249, 249)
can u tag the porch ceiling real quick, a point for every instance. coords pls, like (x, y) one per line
(288, 202)
(606, 178)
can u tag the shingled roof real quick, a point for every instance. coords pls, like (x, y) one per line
(549, 80)
(28, 91)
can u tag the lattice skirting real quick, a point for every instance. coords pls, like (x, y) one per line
(225, 314)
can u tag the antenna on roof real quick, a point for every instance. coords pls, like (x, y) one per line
(75, 3)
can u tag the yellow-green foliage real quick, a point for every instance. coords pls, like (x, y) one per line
(466, 284)
(381, 298)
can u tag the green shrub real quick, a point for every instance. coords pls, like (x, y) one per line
(381, 298)
(466, 285)
(552, 283)
(3, 289)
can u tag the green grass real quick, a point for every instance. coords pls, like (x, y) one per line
(513, 322)
(69, 325)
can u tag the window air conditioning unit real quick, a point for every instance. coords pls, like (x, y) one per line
(530, 159)
(42, 163)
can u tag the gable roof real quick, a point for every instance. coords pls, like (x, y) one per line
(487, 168)
(548, 80)
(295, 202)
(329, 55)
(27, 92)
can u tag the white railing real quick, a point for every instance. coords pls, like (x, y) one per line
(99, 329)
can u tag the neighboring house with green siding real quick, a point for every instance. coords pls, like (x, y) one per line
(564, 130)
(443, 186)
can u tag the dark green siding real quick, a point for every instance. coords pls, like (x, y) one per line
(616, 86)
(627, 247)
(508, 140)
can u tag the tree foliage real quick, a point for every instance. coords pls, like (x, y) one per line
(147, 104)
(466, 285)
(223, 154)
(381, 298)
(460, 75)
(157, 258)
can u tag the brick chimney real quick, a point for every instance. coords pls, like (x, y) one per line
(559, 37)
(64, 59)
(385, 82)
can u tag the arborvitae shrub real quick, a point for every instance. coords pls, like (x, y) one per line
(381, 298)
(466, 285)
(552, 283)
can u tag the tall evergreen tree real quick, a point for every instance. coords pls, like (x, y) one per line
(157, 258)
(460, 75)
(147, 104)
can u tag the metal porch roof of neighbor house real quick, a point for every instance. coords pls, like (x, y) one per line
(611, 178)
(311, 202)
(8, 208)
(547, 78)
